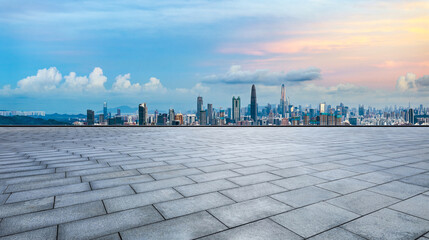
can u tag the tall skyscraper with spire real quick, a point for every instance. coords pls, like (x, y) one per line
(283, 104)
(199, 106)
(253, 105)
(105, 110)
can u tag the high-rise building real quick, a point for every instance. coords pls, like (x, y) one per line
(142, 114)
(283, 104)
(236, 106)
(221, 117)
(411, 116)
(203, 118)
(361, 110)
(171, 116)
(118, 112)
(306, 119)
(322, 107)
(210, 114)
(105, 110)
(253, 105)
(101, 119)
(199, 105)
(162, 119)
(90, 118)
(179, 118)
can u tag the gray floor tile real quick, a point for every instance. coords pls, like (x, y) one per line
(94, 195)
(337, 233)
(187, 227)
(314, 219)
(248, 211)
(304, 196)
(345, 186)
(205, 187)
(141, 199)
(298, 182)
(160, 184)
(49, 233)
(175, 173)
(213, 176)
(42, 184)
(19, 208)
(363, 202)
(254, 178)
(47, 192)
(106, 183)
(417, 206)
(292, 172)
(398, 189)
(109, 223)
(388, 224)
(194, 204)
(421, 180)
(252, 191)
(30, 221)
(260, 230)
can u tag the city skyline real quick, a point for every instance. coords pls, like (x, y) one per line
(164, 54)
(282, 114)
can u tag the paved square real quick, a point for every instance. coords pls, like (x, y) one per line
(214, 183)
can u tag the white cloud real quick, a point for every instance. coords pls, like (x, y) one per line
(45, 80)
(236, 75)
(410, 82)
(407, 82)
(197, 89)
(97, 79)
(154, 85)
(123, 83)
(73, 82)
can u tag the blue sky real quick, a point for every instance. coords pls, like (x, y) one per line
(67, 56)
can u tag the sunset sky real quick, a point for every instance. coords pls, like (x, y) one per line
(67, 56)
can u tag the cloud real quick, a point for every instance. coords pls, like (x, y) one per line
(154, 85)
(410, 83)
(236, 75)
(73, 82)
(44, 80)
(51, 81)
(423, 83)
(123, 83)
(97, 79)
(197, 89)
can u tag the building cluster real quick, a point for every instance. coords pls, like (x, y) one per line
(22, 113)
(282, 114)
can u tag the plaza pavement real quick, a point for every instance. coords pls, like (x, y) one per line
(214, 183)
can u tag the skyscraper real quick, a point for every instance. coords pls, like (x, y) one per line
(203, 118)
(90, 117)
(171, 116)
(411, 116)
(142, 114)
(236, 106)
(210, 114)
(105, 110)
(322, 107)
(253, 105)
(361, 110)
(283, 104)
(199, 105)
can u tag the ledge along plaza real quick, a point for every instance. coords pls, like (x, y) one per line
(214, 183)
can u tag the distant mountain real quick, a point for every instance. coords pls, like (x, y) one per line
(24, 120)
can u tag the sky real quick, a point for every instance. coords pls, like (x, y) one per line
(69, 56)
